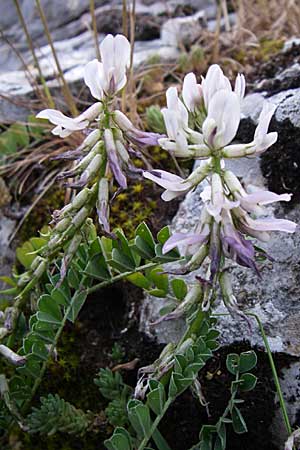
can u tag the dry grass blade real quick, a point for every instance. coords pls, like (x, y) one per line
(48, 95)
(95, 33)
(67, 92)
(31, 207)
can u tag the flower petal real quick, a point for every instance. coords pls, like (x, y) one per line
(272, 225)
(191, 92)
(224, 109)
(266, 197)
(182, 239)
(93, 78)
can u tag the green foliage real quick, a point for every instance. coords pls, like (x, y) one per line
(113, 388)
(27, 252)
(19, 135)
(110, 383)
(213, 437)
(188, 358)
(155, 120)
(117, 353)
(116, 412)
(56, 415)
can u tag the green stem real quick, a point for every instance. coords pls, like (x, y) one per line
(155, 424)
(160, 441)
(105, 283)
(51, 350)
(217, 164)
(274, 372)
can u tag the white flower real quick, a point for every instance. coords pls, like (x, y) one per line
(252, 202)
(176, 121)
(66, 125)
(191, 92)
(215, 81)
(109, 76)
(262, 139)
(174, 185)
(215, 199)
(223, 118)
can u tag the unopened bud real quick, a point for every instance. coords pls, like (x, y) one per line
(199, 151)
(90, 140)
(11, 315)
(40, 270)
(92, 169)
(62, 225)
(83, 164)
(54, 241)
(80, 217)
(102, 203)
(80, 199)
(35, 263)
(199, 174)
(238, 150)
(185, 346)
(197, 259)
(225, 284)
(24, 279)
(122, 121)
(232, 182)
(122, 152)
(11, 356)
(92, 112)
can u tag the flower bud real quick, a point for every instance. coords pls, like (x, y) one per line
(92, 112)
(62, 225)
(199, 174)
(40, 270)
(92, 169)
(197, 259)
(35, 263)
(200, 151)
(232, 182)
(122, 121)
(54, 241)
(90, 140)
(225, 284)
(122, 152)
(193, 296)
(102, 204)
(11, 356)
(80, 217)
(83, 164)
(80, 199)
(238, 150)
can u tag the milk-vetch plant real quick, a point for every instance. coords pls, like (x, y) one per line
(72, 261)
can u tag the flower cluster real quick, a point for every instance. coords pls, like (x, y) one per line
(111, 138)
(202, 126)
